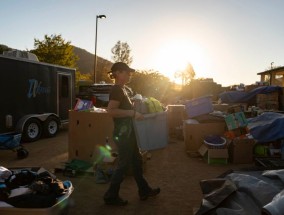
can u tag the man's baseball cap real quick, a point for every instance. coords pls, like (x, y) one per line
(120, 66)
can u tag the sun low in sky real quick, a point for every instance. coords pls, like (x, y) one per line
(174, 55)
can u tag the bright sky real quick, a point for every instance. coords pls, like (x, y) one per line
(227, 40)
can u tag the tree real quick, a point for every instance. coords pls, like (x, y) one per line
(4, 48)
(121, 53)
(150, 84)
(186, 75)
(54, 49)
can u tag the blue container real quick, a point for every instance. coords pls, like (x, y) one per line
(152, 131)
(199, 106)
(10, 141)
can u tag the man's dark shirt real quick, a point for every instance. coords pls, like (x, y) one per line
(119, 94)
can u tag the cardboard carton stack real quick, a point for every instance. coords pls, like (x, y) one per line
(268, 101)
(199, 125)
(237, 146)
(240, 144)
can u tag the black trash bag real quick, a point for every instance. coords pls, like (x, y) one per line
(22, 178)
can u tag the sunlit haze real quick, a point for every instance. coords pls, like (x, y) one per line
(227, 40)
(175, 55)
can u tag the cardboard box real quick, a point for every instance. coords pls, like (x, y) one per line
(87, 132)
(195, 133)
(236, 120)
(221, 107)
(240, 107)
(241, 151)
(269, 101)
(214, 156)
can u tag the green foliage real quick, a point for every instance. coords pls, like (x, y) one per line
(54, 49)
(151, 84)
(121, 53)
(4, 48)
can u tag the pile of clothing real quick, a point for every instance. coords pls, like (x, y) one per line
(27, 188)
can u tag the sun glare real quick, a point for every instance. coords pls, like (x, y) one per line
(175, 55)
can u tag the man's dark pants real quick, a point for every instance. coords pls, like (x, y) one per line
(128, 157)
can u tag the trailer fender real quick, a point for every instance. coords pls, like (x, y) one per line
(42, 117)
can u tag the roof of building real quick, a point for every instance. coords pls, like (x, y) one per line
(272, 70)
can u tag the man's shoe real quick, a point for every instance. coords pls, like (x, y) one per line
(150, 193)
(117, 201)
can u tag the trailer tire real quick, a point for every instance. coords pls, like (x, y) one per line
(32, 130)
(51, 126)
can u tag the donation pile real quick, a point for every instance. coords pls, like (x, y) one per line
(31, 188)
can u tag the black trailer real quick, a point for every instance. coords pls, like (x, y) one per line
(35, 97)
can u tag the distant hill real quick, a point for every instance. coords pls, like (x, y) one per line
(86, 62)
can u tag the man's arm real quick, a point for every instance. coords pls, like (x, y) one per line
(114, 111)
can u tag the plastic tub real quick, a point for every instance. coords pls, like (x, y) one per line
(199, 106)
(152, 131)
(216, 146)
(60, 208)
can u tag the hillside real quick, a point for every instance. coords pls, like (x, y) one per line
(86, 62)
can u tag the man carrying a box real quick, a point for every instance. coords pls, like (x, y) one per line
(121, 109)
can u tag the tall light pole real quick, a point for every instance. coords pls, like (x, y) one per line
(95, 62)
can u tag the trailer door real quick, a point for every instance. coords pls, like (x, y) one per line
(64, 95)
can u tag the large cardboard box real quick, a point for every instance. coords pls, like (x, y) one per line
(195, 133)
(87, 132)
(241, 151)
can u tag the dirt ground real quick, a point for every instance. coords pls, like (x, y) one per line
(171, 169)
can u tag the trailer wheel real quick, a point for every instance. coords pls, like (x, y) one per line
(32, 130)
(51, 126)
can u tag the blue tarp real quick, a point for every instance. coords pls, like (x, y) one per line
(268, 126)
(243, 97)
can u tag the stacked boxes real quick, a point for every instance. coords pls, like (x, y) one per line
(268, 101)
(240, 146)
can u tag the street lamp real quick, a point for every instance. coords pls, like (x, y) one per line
(95, 63)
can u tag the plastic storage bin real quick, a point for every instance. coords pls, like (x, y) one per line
(60, 208)
(12, 142)
(199, 106)
(152, 131)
